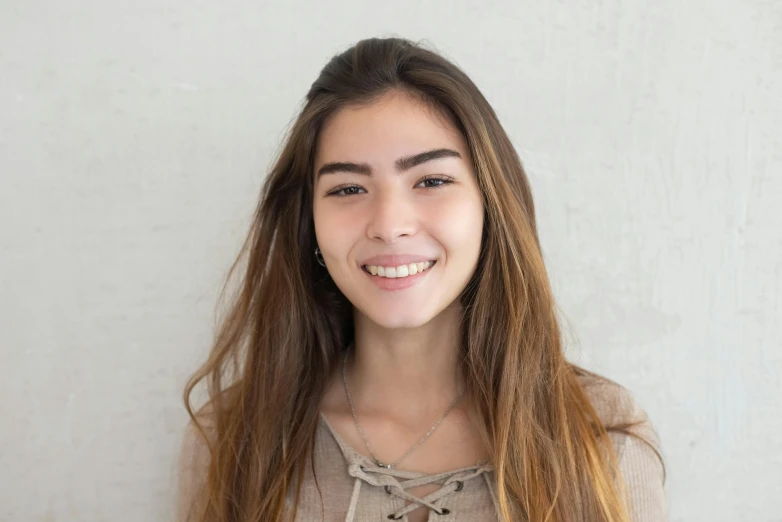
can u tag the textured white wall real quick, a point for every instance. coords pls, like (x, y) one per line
(134, 137)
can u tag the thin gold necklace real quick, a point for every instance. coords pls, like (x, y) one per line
(361, 431)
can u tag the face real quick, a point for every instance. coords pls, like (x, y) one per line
(397, 209)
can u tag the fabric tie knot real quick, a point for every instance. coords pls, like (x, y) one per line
(396, 482)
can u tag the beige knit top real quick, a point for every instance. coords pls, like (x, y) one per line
(354, 489)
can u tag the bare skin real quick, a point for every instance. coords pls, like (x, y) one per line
(454, 444)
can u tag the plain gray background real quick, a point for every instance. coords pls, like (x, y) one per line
(134, 137)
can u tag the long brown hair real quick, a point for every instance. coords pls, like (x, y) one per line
(287, 323)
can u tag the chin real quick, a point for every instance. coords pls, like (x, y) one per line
(392, 321)
(400, 322)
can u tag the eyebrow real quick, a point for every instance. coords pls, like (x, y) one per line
(402, 164)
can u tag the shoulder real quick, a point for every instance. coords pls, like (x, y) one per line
(615, 405)
(193, 464)
(636, 442)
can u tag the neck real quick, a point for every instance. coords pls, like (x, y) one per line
(407, 374)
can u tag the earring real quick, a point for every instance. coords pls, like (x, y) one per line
(319, 257)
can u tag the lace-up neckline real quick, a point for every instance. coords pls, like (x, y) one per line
(396, 481)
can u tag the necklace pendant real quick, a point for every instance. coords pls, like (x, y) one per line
(381, 465)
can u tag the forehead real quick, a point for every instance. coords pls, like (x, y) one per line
(386, 129)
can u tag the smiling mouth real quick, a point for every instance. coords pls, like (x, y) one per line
(401, 271)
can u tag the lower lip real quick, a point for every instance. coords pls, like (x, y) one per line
(397, 283)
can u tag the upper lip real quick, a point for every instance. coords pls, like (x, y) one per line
(394, 260)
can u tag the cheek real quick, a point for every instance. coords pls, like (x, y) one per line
(324, 227)
(458, 225)
(335, 229)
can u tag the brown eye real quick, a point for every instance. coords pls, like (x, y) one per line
(435, 181)
(345, 190)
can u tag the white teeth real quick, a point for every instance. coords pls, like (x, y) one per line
(393, 272)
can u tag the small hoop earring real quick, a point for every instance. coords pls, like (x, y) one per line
(319, 257)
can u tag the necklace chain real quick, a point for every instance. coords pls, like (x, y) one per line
(361, 431)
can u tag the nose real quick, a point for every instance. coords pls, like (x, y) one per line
(391, 216)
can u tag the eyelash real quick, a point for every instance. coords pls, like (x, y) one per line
(446, 180)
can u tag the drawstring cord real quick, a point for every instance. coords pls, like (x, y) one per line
(363, 470)
(387, 478)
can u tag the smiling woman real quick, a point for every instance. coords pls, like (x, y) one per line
(412, 197)
(393, 352)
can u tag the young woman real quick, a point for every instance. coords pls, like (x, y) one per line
(392, 351)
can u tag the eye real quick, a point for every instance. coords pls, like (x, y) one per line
(344, 190)
(435, 181)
